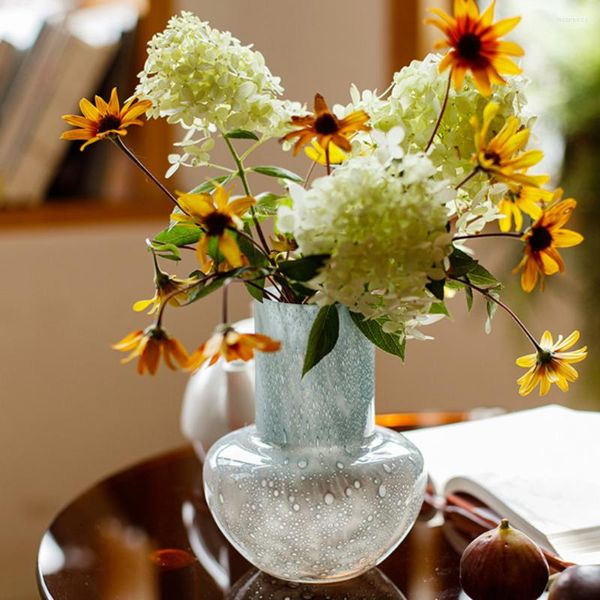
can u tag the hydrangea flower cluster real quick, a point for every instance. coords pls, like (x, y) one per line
(206, 80)
(384, 226)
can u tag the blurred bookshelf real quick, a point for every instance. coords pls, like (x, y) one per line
(75, 48)
(101, 185)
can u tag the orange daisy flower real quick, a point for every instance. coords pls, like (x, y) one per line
(326, 127)
(504, 157)
(148, 346)
(518, 200)
(217, 216)
(541, 257)
(228, 343)
(551, 364)
(475, 46)
(104, 119)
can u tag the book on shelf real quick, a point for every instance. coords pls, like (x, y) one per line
(20, 25)
(9, 62)
(539, 468)
(68, 61)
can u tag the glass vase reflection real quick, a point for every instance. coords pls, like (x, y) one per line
(314, 492)
(373, 585)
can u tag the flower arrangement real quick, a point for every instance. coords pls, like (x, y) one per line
(409, 177)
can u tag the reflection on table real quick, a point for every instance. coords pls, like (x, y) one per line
(146, 533)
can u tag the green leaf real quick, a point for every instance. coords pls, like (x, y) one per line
(211, 184)
(241, 134)
(256, 292)
(204, 290)
(491, 308)
(251, 252)
(461, 263)
(439, 308)
(481, 277)
(436, 287)
(469, 297)
(457, 286)
(267, 204)
(373, 331)
(278, 172)
(168, 251)
(179, 235)
(301, 291)
(303, 269)
(322, 338)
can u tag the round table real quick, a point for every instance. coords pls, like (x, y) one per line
(146, 534)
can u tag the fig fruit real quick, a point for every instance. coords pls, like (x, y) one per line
(503, 564)
(581, 582)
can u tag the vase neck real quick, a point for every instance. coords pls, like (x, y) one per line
(333, 404)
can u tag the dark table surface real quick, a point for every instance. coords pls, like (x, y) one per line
(146, 534)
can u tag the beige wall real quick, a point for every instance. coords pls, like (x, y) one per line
(71, 414)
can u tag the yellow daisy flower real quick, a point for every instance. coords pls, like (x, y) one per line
(318, 155)
(165, 285)
(217, 217)
(148, 346)
(104, 119)
(551, 364)
(326, 128)
(475, 46)
(540, 256)
(503, 157)
(518, 200)
(228, 343)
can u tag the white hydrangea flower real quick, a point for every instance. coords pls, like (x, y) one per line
(206, 80)
(473, 211)
(384, 225)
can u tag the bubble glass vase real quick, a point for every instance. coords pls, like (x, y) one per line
(314, 491)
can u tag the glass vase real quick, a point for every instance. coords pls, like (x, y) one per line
(314, 491)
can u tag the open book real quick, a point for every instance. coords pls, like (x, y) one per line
(539, 468)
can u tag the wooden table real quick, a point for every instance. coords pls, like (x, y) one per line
(146, 534)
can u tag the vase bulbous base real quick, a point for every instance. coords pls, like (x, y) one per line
(314, 514)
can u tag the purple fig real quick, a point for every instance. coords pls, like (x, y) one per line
(581, 582)
(503, 564)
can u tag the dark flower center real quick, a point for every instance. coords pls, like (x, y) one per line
(540, 239)
(108, 123)
(326, 124)
(469, 46)
(493, 156)
(216, 223)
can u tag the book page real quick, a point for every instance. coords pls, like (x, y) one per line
(543, 464)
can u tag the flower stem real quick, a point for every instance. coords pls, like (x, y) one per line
(225, 305)
(442, 111)
(244, 180)
(121, 144)
(287, 293)
(468, 178)
(474, 236)
(157, 271)
(327, 159)
(310, 170)
(505, 307)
